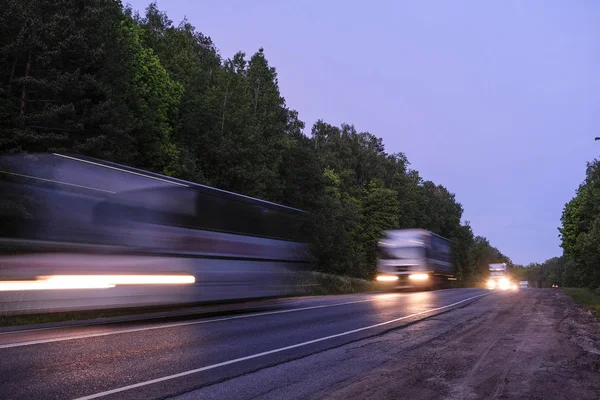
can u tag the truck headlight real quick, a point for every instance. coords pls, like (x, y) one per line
(418, 277)
(504, 284)
(386, 278)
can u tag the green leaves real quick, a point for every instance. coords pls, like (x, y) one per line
(157, 99)
(378, 191)
(580, 231)
(55, 92)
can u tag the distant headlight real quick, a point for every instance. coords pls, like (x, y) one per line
(418, 277)
(387, 278)
(491, 284)
(504, 284)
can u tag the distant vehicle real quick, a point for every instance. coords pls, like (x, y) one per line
(414, 258)
(499, 277)
(524, 284)
(555, 286)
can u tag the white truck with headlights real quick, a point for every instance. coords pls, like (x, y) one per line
(414, 258)
(499, 278)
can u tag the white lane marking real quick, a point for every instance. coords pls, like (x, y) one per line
(122, 170)
(266, 353)
(174, 325)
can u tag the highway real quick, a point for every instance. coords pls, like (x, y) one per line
(297, 348)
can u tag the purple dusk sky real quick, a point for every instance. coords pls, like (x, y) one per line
(497, 101)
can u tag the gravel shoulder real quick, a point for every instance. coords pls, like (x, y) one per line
(534, 344)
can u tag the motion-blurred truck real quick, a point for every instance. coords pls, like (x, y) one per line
(414, 258)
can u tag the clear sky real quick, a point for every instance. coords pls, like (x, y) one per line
(499, 101)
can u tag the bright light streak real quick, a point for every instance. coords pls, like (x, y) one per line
(58, 282)
(125, 279)
(418, 277)
(9, 286)
(387, 278)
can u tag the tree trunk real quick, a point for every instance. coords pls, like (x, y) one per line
(256, 93)
(224, 105)
(24, 90)
(12, 73)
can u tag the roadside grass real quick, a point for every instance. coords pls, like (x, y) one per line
(311, 283)
(34, 319)
(589, 298)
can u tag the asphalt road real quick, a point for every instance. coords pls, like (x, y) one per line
(159, 360)
(302, 348)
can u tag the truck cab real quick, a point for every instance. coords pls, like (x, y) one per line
(413, 258)
(499, 277)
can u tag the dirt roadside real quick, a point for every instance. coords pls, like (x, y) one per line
(536, 345)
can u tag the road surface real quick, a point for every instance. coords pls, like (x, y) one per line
(454, 344)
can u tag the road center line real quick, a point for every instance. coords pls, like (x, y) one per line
(266, 353)
(174, 325)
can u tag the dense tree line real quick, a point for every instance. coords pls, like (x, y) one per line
(580, 233)
(553, 271)
(96, 78)
(579, 266)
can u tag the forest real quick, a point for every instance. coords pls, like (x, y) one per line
(97, 78)
(580, 240)
(580, 234)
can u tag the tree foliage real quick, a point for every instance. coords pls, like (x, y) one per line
(554, 271)
(57, 67)
(580, 232)
(95, 78)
